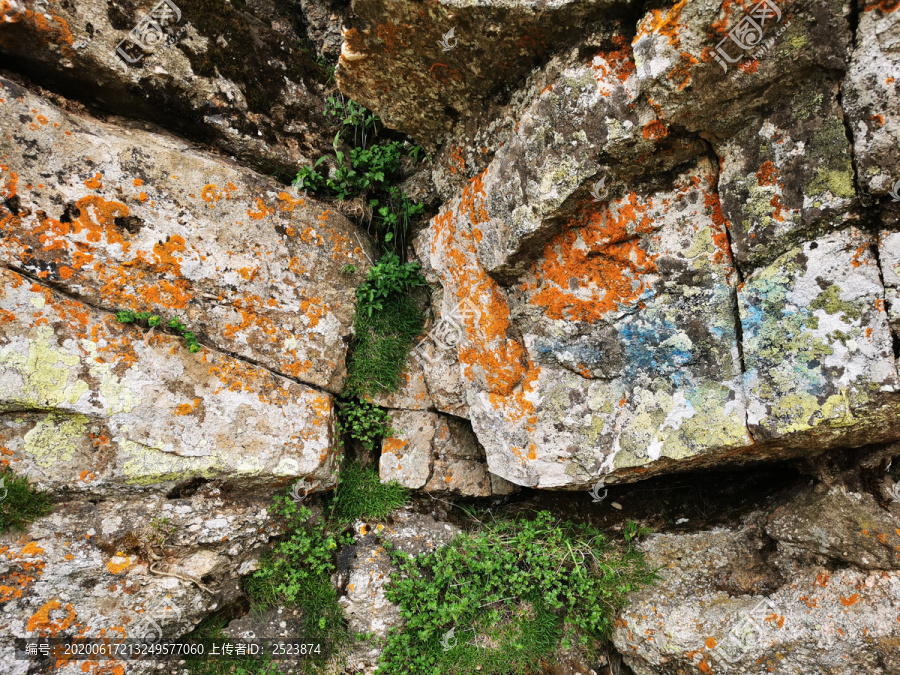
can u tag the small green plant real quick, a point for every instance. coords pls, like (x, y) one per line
(383, 340)
(388, 277)
(360, 494)
(348, 113)
(20, 502)
(393, 218)
(364, 421)
(348, 269)
(510, 593)
(162, 529)
(298, 572)
(154, 320)
(386, 324)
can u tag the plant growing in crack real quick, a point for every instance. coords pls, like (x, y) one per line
(154, 321)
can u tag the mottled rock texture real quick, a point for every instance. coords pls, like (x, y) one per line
(240, 75)
(104, 569)
(807, 582)
(126, 219)
(665, 236)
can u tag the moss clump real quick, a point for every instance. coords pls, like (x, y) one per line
(20, 503)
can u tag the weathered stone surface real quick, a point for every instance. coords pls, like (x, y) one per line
(437, 453)
(889, 257)
(234, 74)
(617, 348)
(675, 49)
(871, 101)
(392, 59)
(413, 392)
(816, 344)
(95, 405)
(787, 177)
(819, 620)
(849, 527)
(582, 132)
(406, 455)
(85, 570)
(133, 220)
(323, 25)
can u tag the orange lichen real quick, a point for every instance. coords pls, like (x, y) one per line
(600, 251)
(655, 130)
(681, 73)
(666, 25)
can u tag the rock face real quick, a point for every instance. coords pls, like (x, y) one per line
(123, 568)
(810, 584)
(665, 237)
(125, 219)
(437, 453)
(234, 74)
(92, 405)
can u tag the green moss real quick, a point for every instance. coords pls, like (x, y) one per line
(361, 495)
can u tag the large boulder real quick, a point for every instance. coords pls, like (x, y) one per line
(708, 65)
(236, 74)
(96, 406)
(817, 349)
(809, 584)
(423, 67)
(126, 568)
(125, 219)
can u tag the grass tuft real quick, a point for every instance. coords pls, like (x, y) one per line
(361, 495)
(20, 503)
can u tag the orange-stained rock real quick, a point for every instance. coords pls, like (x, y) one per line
(133, 220)
(103, 407)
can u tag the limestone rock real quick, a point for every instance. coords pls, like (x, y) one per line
(871, 101)
(133, 220)
(235, 74)
(889, 257)
(810, 624)
(708, 65)
(368, 569)
(617, 348)
(95, 405)
(437, 453)
(846, 526)
(421, 69)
